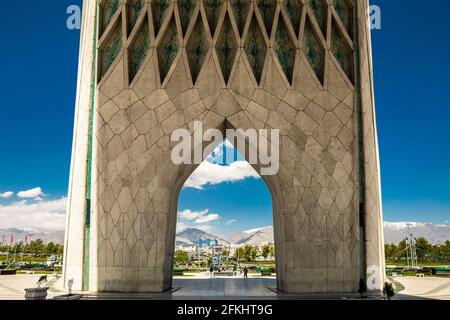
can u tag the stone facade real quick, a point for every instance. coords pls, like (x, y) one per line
(161, 65)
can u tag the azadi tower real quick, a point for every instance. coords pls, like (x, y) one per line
(148, 67)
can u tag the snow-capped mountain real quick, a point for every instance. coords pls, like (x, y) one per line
(394, 232)
(189, 237)
(253, 237)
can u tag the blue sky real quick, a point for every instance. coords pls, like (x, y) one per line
(39, 56)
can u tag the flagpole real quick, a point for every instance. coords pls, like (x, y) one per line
(15, 252)
(3, 241)
(25, 243)
(10, 244)
(7, 251)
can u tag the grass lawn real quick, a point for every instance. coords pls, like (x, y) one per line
(258, 263)
(37, 272)
(19, 259)
(421, 264)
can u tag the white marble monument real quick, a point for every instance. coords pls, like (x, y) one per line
(148, 67)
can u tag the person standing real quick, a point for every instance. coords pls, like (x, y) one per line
(245, 272)
(211, 271)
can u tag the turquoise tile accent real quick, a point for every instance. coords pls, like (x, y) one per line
(138, 51)
(319, 9)
(314, 51)
(267, 9)
(345, 13)
(226, 48)
(134, 10)
(186, 8)
(159, 8)
(255, 48)
(285, 49)
(294, 11)
(109, 8)
(240, 10)
(168, 49)
(212, 8)
(112, 49)
(197, 48)
(342, 52)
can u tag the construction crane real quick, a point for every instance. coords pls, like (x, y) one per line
(411, 254)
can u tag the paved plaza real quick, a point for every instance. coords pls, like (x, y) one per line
(13, 287)
(200, 286)
(427, 288)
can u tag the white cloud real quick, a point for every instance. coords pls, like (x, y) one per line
(31, 194)
(205, 228)
(181, 226)
(191, 215)
(198, 217)
(46, 216)
(230, 222)
(207, 218)
(213, 174)
(6, 195)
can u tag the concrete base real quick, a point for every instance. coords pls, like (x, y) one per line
(36, 293)
(223, 289)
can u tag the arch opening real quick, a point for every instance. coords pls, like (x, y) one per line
(224, 227)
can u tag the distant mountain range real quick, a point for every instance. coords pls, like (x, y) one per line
(252, 237)
(394, 232)
(19, 235)
(189, 237)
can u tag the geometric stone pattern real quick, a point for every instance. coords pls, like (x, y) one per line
(135, 185)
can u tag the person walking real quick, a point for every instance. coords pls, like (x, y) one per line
(211, 271)
(245, 272)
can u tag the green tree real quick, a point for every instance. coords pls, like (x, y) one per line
(51, 248)
(181, 257)
(245, 253)
(265, 251)
(239, 254)
(400, 253)
(253, 254)
(446, 250)
(248, 249)
(423, 248)
(390, 251)
(36, 247)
